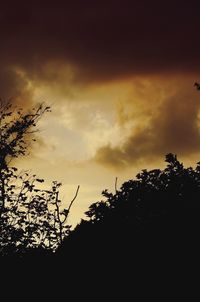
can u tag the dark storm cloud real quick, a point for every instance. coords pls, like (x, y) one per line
(103, 39)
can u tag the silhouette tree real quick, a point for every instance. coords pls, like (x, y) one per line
(16, 128)
(157, 208)
(30, 216)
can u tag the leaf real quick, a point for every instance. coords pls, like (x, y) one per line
(39, 180)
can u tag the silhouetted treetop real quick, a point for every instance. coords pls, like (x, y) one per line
(155, 202)
(16, 127)
(31, 216)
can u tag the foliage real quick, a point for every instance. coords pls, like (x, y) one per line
(151, 193)
(156, 203)
(30, 216)
(16, 127)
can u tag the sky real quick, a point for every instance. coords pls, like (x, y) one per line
(119, 77)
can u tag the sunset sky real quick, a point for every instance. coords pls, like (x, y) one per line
(119, 77)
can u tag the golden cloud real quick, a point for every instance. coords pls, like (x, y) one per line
(170, 123)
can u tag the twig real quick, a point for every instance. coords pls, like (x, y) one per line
(71, 203)
(116, 185)
(73, 198)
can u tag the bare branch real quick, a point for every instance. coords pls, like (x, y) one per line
(71, 203)
(116, 179)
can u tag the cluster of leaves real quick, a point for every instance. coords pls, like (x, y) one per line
(31, 217)
(154, 198)
(16, 129)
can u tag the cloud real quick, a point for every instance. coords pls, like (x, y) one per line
(14, 85)
(65, 47)
(171, 125)
(98, 41)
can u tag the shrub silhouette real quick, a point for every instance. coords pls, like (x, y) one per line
(31, 217)
(159, 210)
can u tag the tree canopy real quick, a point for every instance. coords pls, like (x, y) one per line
(157, 208)
(31, 216)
